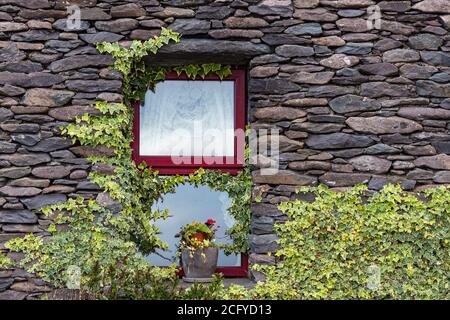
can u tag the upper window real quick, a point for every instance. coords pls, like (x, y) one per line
(186, 124)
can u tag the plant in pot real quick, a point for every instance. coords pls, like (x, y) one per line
(198, 251)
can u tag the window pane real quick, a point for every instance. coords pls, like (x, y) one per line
(188, 118)
(189, 204)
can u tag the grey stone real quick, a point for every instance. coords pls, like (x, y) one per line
(339, 61)
(272, 86)
(352, 25)
(263, 243)
(217, 13)
(338, 141)
(436, 58)
(433, 89)
(395, 6)
(129, 10)
(387, 44)
(383, 125)
(26, 159)
(353, 103)
(318, 14)
(12, 295)
(94, 85)
(425, 41)
(70, 113)
(312, 78)
(81, 61)
(43, 201)
(117, 25)
(419, 174)
(28, 80)
(287, 177)
(245, 22)
(7, 147)
(94, 14)
(261, 225)
(11, 91)
(208, 50)
(14, 172)
(338, 179)
(382, 69)
(282, 8)
(329, 91)
(317, 127)
(11, 54)
(401, 55)
(19, 191)
(101, 37)
(350, 13)
(371, 164)
(21, 67)
(17, 216)
(20, 127)
(441, 77)
(47, 97)
(416, 71)
(69, 26)
(51, 144)
(381, 148)
(438, 6)
(34, 35)
(51, 172)
(420, 113)
(378, 182)
(29, 182)
(380, 89)
(438, 162)
(26, 139)
(105, 200)
(265, 209)
(190, 26)
(283, 38)
(5, 283)
(278, 113)
(427, 150)
(294, 51)
(442, 177)
(312, 29)
(442, 146)
(5, 114)
(356, 48)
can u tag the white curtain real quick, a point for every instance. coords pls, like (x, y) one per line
(188, 118)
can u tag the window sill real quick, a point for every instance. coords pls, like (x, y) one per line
(245, 282)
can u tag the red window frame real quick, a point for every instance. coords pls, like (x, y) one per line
(233, 164)
(165, 165)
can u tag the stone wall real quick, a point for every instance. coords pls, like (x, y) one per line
(353, 104)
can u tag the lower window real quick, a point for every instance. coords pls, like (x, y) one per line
(199, 203)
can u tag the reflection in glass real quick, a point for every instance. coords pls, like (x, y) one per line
(187, 204)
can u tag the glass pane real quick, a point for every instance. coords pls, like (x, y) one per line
(188, 118)
(189, 204)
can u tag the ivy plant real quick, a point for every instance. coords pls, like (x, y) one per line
(109, 246)
(346, 245)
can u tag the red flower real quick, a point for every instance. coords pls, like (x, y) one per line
(210, 221)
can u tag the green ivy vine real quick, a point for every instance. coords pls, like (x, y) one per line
(98, 239)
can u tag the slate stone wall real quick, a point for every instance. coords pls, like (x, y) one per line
(353, 103)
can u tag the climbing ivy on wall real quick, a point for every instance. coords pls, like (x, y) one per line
(98, 239)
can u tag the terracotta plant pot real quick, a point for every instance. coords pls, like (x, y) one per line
(199, 236)
(199, 266)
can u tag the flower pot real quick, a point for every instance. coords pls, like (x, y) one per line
(199, 265)
(199, 236)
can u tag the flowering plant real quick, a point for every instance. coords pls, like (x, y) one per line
(197, 234)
